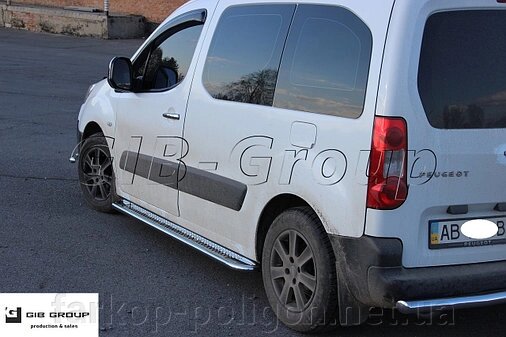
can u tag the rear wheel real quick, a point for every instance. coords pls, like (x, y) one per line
(96, 174)
(299, 271)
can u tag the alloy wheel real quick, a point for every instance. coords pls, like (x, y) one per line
(97, 172)
(293, 270)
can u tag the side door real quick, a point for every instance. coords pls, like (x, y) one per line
(149, 121)
(289, 102)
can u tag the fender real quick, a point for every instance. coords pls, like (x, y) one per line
(98, 108)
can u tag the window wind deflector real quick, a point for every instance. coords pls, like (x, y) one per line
(197, 16)
(193, 18)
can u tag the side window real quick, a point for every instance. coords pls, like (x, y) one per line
(166, 62)
(245, 53)
(325, 64)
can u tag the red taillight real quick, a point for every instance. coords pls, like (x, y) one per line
(387, 183)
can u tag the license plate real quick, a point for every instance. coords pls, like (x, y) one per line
(447, 234)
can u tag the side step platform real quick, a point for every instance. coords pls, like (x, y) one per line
(208, 247)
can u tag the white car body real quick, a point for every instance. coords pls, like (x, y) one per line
(318, 158)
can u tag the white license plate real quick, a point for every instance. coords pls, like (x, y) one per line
(447, 234)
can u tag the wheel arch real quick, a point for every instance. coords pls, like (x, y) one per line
(91, 128)
(272, 209)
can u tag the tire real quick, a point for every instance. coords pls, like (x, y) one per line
(299, 271)
(96, 175)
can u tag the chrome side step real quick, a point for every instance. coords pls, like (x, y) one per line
(208, 247)
(411, 307)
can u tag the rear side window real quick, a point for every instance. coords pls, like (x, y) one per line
(462, 71)
(325, 64)
(245, 53)
(312, 58)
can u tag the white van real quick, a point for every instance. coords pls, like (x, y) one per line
(354, 150)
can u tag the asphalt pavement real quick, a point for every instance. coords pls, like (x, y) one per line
(149, 284)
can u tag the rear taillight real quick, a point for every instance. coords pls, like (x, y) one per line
(387, 181)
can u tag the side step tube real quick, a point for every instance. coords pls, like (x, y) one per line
(208, 247)
(411, 307)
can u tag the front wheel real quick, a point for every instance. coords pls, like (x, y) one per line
(299, 271)
(96, 175)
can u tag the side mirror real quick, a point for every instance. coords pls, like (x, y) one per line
(120, 75)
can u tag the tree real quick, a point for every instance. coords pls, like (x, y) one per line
(256, 88)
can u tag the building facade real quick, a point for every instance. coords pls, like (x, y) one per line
(154, 11)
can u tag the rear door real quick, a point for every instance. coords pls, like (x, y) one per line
(453, 96)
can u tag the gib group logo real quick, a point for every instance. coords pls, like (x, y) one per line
(44, 315)
(13, 315)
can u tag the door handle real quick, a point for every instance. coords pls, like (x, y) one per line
(171, 116)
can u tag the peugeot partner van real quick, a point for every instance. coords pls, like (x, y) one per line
(354, 151)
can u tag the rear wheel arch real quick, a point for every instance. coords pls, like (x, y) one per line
(272, 209)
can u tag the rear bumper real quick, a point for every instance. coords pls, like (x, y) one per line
(373, 273)
(415, 307)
